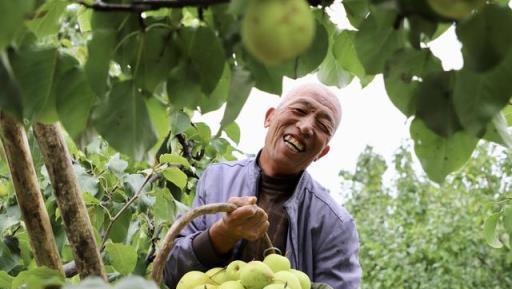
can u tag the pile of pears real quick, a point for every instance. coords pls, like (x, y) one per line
(274, 272)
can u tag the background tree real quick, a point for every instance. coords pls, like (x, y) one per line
(416, 234)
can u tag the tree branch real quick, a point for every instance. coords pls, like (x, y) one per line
(141, 6)
(149, 179)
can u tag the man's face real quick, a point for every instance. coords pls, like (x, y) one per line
(299, 131)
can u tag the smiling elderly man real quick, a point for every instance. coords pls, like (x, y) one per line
(276, 195)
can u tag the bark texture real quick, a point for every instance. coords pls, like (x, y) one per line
(67, 192)
(28, 193)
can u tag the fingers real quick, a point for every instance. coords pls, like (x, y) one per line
(248, 213)
(242, 201)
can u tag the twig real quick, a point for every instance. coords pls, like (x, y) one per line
(177, 226)
(150, 178)
(141, 6)
(183, 142)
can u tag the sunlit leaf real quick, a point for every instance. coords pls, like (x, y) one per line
(377, 39)
(490, 234)
(176, 176)
(38, 278)
(174, 159)
(123, 257)
(440, 156)
(233, 132)
(241, 85)
(46, 18)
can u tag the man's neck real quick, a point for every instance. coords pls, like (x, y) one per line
(270, 169)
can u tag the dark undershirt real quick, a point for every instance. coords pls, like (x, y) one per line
(273, 193)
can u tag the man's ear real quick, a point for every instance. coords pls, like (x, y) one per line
(268, 116)
(323, 152)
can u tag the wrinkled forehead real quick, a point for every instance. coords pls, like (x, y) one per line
(318, 93)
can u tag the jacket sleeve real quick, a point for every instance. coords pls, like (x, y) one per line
(182, 257)
(336, 259)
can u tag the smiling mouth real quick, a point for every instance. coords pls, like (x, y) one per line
(293, 144)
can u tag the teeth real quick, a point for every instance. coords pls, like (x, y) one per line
(293, 143)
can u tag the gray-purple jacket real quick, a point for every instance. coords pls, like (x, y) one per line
(322, 238)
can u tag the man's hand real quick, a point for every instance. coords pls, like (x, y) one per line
(248, 222)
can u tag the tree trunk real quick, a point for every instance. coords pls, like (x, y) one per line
(74, 213)
(28, 193)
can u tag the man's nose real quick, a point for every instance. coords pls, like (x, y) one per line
(305, 126)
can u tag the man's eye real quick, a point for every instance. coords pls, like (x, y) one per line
(299, 111)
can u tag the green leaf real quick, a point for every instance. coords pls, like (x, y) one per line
(38, 278)
(345, 53)
(158, 114)
(180, 122)
(357, 11)
(46, 19)
(5, 280)
(484, 45)
(74, 100)
(135, 282)
(174, 159)
(176, 176)
(207, 55)
(10, 22)
(164, 207)
(117, 165)
(490, 235)
(478, 97)
(314, 55)
(497, 131)
(183, 88)
(218, 97)
(158, 56)
(36, 72)
(265, 79)
(10, 94)
(233, 132)
(241, 85)
(440, 156)
(203, 132)
(507, 219)
(100, 49)
(119, 232)
(434, 103)
(87, 182)
(123, 121)
(8, 260)
(400, 72)
(331, 72)
(123, 257)
(377, 40)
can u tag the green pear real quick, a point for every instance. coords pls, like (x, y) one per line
(275, 286)
(192, 279)
(275, 31)
(277, 262)
(305, 282)
(288, 278)
(231, 285)
(455, 9)
(205, 286)
(218, 275)
(256, 275)
(233, 269)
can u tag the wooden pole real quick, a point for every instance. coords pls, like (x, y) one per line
(28, 193)
(67, 192)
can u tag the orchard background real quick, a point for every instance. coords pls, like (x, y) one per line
(100, 153)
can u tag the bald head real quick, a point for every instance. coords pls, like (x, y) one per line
(318, 92)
